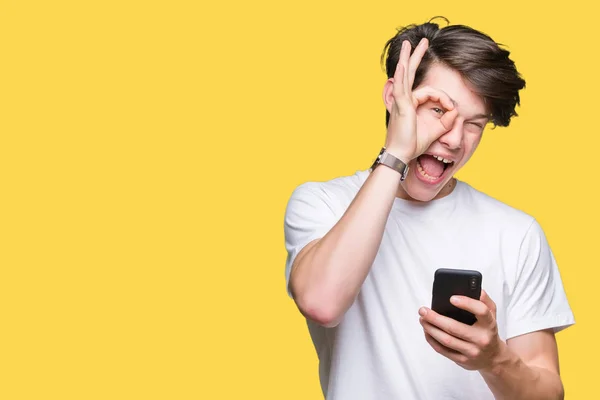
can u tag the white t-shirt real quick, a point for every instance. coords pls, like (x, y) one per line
(379, 351)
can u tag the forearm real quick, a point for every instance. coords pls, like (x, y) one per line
(328, 277)
(511, 378)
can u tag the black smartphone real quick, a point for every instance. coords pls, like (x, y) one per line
(449, 282)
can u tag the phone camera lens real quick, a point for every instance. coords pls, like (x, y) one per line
(473, 283)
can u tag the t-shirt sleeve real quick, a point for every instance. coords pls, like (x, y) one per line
(309, 215)
(538, 300)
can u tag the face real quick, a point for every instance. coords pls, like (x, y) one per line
(457, 144)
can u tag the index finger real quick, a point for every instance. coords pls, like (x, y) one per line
(427, 93)
(476, 307)
(448, 325)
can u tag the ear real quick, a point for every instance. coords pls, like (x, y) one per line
(388, 97)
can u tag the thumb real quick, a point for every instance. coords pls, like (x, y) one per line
(443, 125)
(447, 120)
(485, 299)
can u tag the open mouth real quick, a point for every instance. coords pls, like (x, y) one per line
(432, 168)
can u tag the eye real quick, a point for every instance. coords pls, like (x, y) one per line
(477, 124)
(438, 110)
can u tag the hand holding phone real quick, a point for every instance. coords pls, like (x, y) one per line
(449, 282)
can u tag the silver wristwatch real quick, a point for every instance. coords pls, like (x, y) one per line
(394, 163)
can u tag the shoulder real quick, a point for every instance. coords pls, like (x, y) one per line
(314, 207)
(489, 209)
(336, 193)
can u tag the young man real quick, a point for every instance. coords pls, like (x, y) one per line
(363, 249)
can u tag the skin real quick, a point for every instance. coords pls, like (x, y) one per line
(458, 111)
(525, 367)
(443, 116)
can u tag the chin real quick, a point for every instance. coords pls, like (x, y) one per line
(420, 188)
(417, 192)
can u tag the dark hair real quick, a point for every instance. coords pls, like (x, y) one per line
(473, 54)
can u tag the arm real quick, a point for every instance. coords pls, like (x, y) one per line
(524, 368)
(527, 368)
(328, 273)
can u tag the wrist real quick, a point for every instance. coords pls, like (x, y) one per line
(399, 152)
(392, 162)
(389, 173)
(499, 361)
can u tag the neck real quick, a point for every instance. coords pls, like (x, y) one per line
(446, 190)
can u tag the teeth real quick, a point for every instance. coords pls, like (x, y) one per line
(423, 173)
(444, 160)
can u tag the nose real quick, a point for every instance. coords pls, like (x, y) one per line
(453, 138)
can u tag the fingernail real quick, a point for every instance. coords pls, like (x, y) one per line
(455, 300)
(422, 311)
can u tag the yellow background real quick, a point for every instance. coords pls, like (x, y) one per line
(148, 149)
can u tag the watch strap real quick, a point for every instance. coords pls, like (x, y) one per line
(392, 162)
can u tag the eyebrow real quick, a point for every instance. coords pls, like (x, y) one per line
(477, 116)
